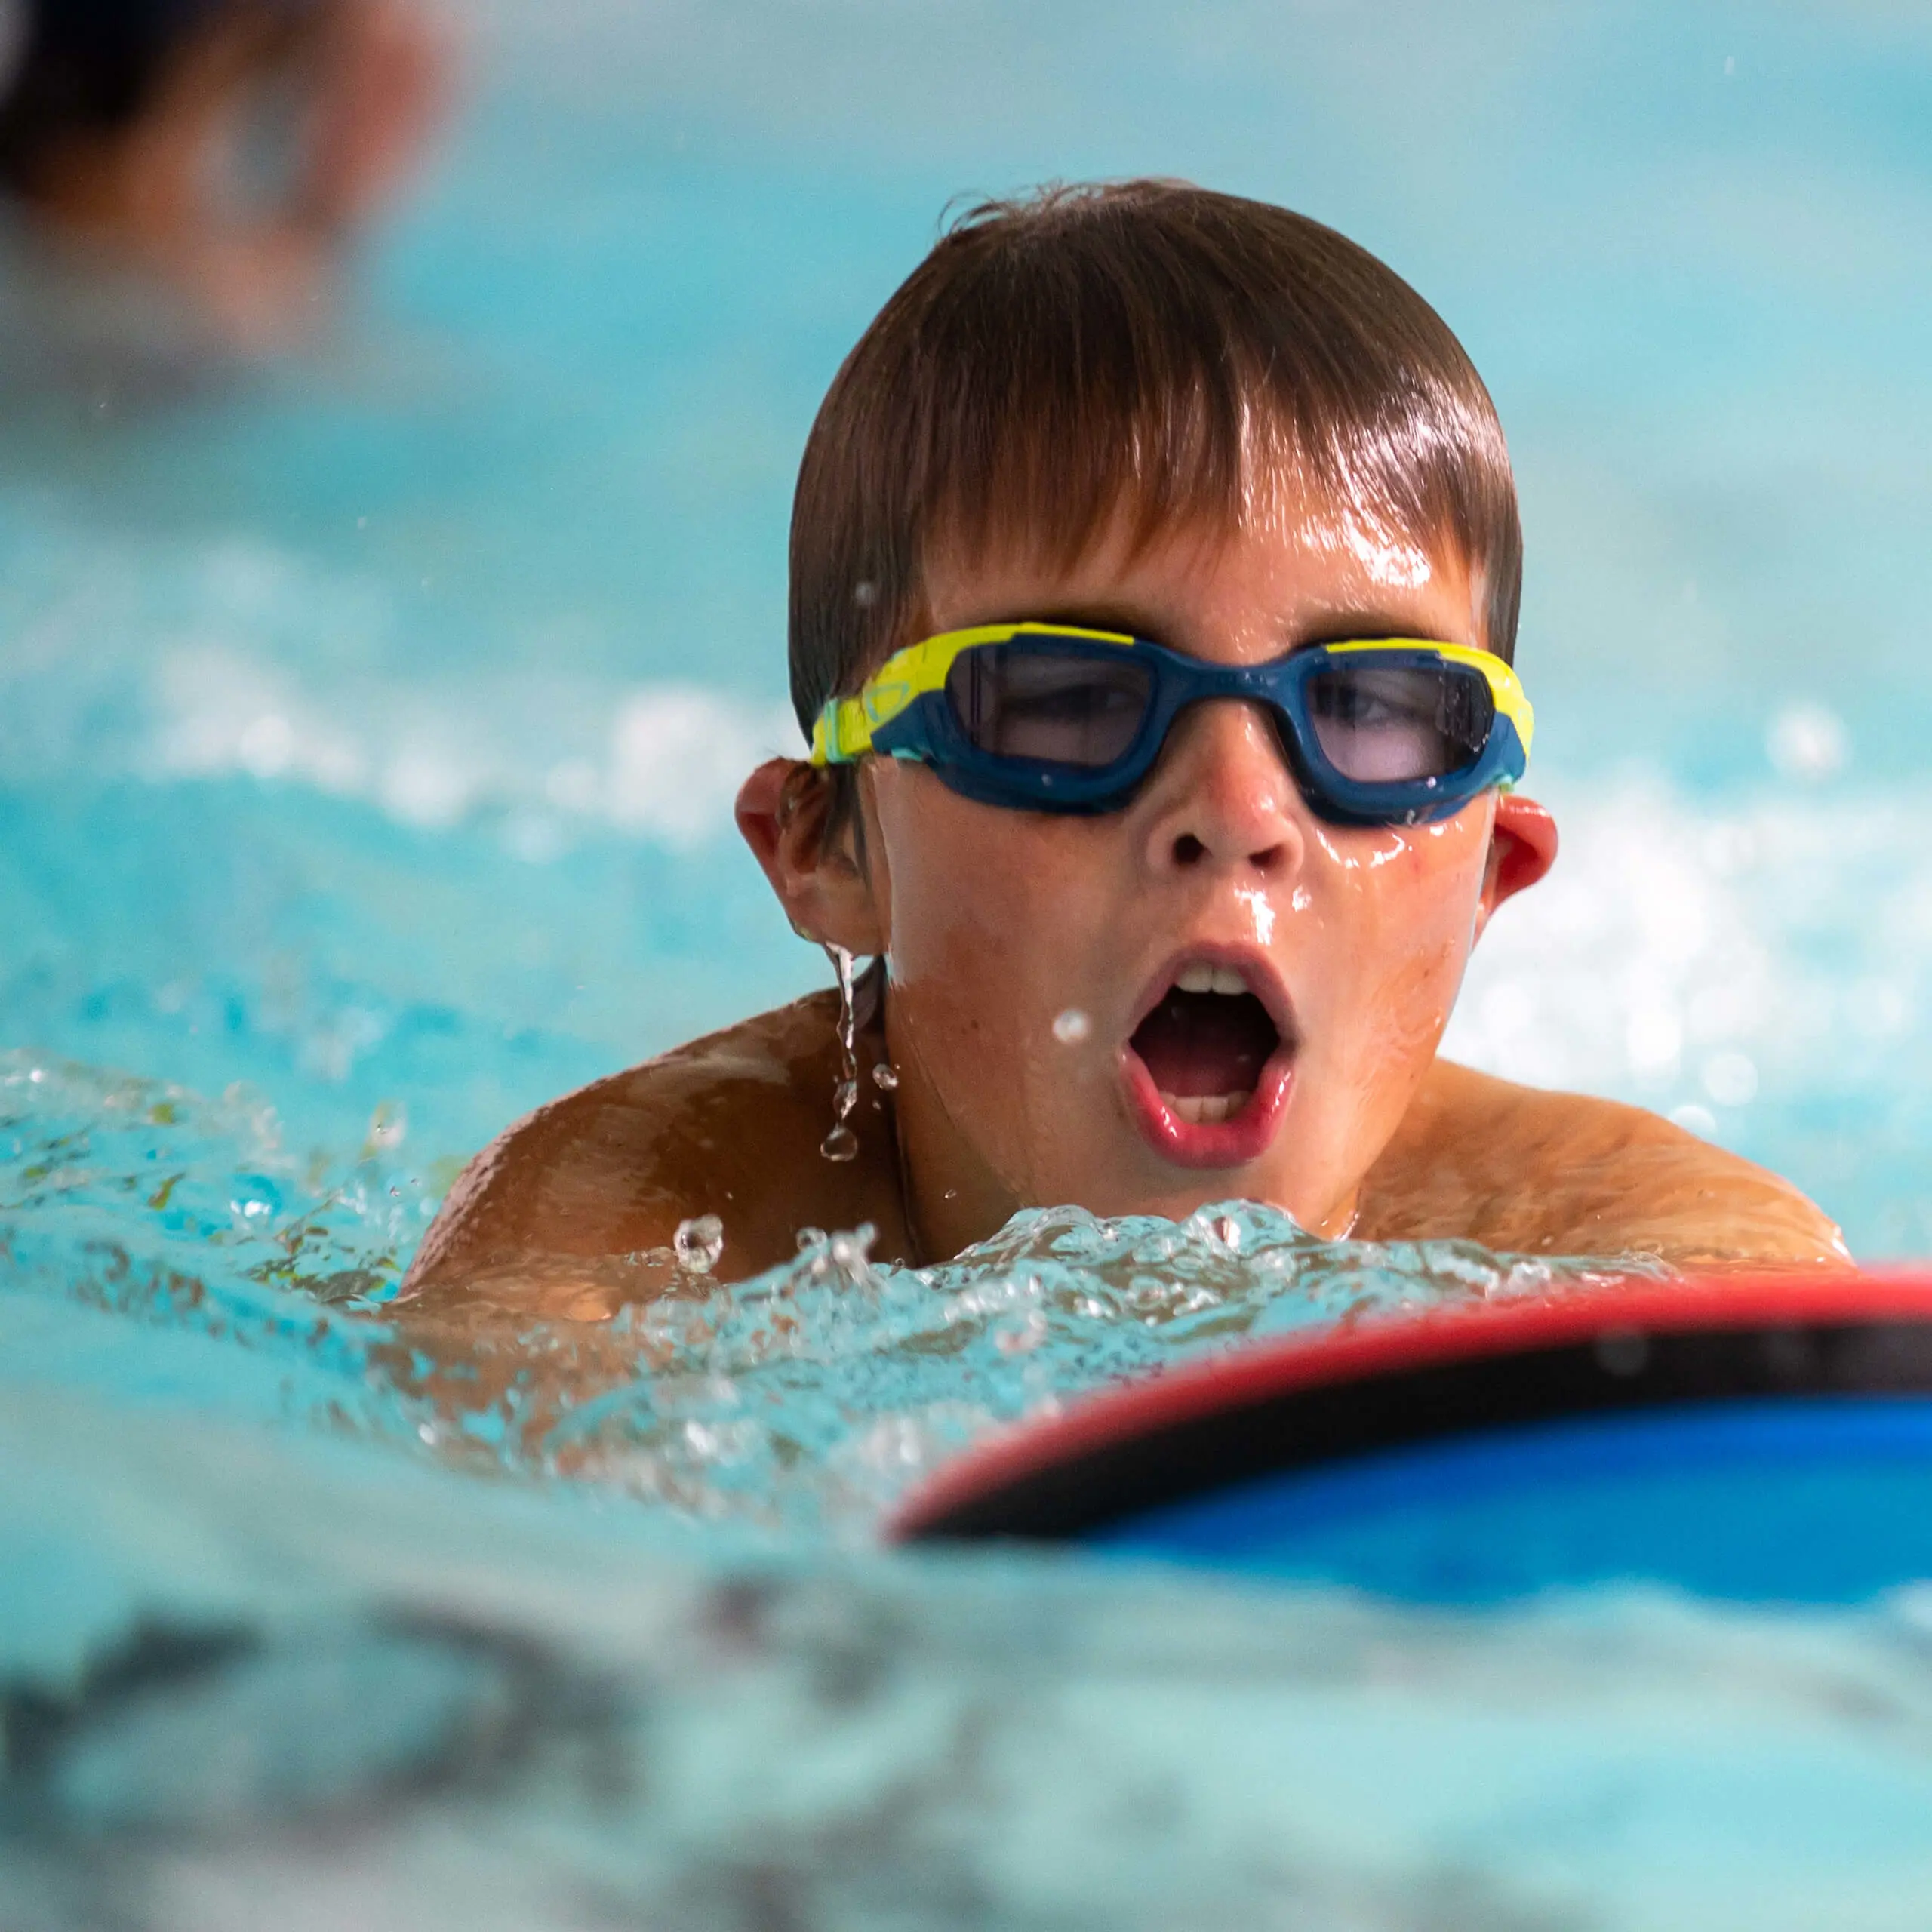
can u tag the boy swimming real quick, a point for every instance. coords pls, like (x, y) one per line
(134, 139)
(1156, 563)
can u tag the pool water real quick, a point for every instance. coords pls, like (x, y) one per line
(367, 732)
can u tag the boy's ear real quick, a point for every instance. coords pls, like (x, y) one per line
(782, 812)
(1522, 848)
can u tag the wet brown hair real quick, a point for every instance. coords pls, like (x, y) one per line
(1141, 346)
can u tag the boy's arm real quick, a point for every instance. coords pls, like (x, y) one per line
(545, 1237)
(1530, 1172)
(548, 1219)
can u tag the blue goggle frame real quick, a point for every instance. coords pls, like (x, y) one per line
(905, 712)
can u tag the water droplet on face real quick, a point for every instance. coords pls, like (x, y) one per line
(841, 1144)
(1071, 1027)
(1262, 910)
(885, 1077)
(698, 1243)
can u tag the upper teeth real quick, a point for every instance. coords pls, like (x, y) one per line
(1202, 978)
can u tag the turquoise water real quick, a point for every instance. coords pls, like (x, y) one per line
(367, 731)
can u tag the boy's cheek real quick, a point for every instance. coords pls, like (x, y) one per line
(1389, 900)
(980, 924)
(1410, 1011)
(1446, 857)
(1375, 989)
(974, 882)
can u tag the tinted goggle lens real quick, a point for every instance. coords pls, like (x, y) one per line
(1023, 701)
(1374, 722)
(1399, 723)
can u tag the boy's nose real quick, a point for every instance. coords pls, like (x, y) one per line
(1222, 794)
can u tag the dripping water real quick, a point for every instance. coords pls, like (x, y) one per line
(841, 1143)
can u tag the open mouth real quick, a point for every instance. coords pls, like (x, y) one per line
(1205, 1044)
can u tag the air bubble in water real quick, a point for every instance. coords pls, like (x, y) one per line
(885, 1077)
(1071, 1027)
(699, 1242)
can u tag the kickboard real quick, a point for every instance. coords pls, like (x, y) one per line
(1747, 1438)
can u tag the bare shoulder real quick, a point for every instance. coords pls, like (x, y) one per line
(1526, 1170)
(730, 1125)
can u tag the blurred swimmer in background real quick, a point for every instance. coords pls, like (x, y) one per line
(192, 173)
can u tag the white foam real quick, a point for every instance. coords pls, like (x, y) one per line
(677, 755)
(1710, 954)
(220, 711)
(657, 761)
(1807, 740)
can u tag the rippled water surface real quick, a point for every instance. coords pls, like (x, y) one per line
(367, 731)
(799, 1405)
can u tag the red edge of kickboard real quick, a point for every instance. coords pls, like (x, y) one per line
(1390, 1344)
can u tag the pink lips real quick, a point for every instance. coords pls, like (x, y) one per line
(1246, 1135)
(1225, 1143)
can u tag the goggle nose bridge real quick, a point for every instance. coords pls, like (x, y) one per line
(1256, 684)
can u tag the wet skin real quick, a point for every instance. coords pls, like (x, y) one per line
(997, 922)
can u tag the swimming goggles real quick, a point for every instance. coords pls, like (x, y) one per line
(1054, 717)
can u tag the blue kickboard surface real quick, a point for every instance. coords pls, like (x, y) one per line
(1818, 1500)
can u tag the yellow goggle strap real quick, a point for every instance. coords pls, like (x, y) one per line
(844, 729)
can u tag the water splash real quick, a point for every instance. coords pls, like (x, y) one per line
(810, 1399)
(801, 1403)
(232, 1270)
(698, 1243)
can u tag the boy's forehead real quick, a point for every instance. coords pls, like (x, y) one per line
(1301, 555)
